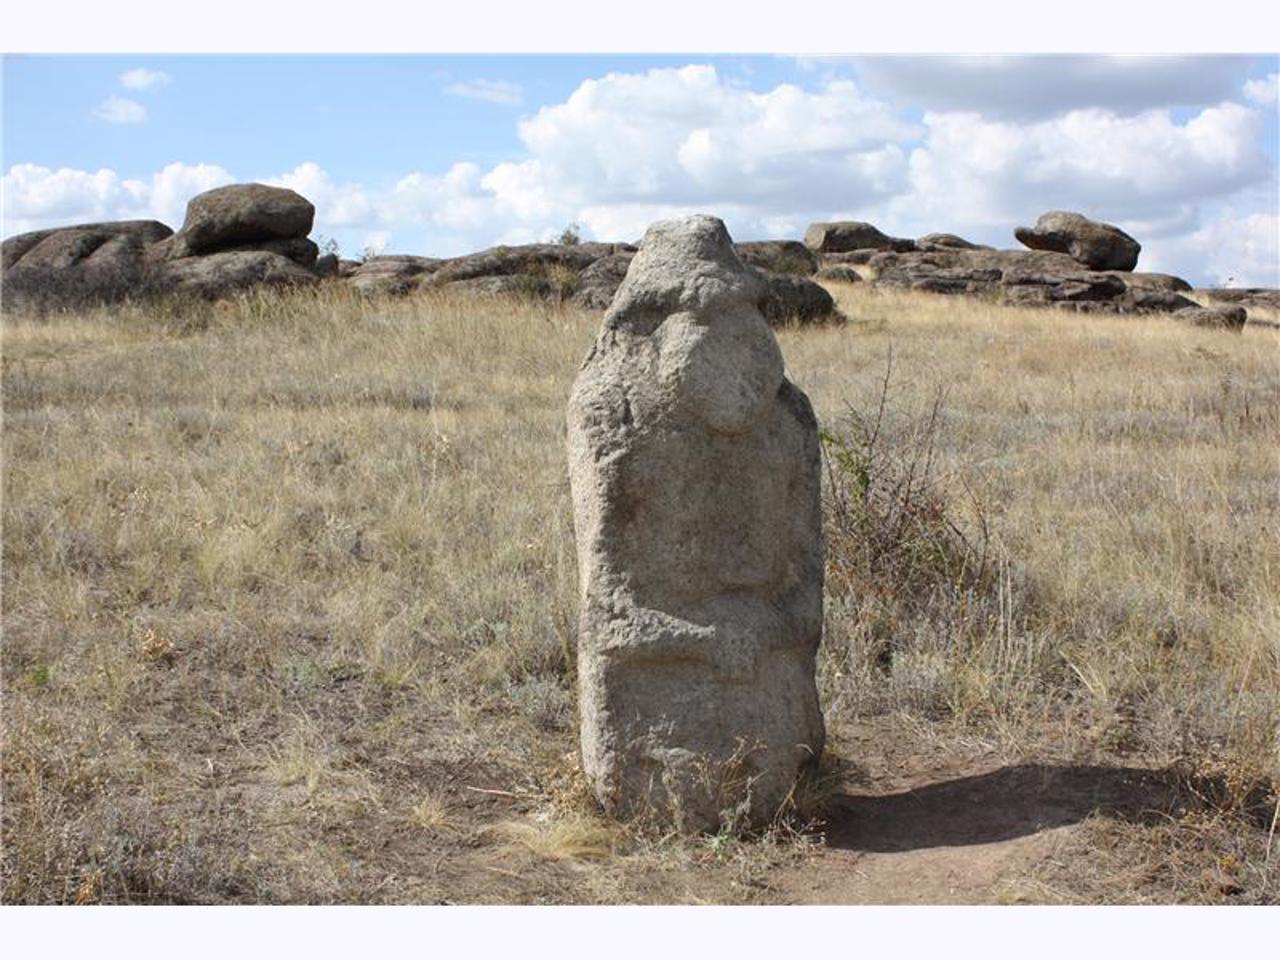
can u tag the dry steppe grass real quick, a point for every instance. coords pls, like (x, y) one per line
(289, 599)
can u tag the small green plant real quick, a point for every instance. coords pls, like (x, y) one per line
(38, 675)
(719, 843)
(570, 236)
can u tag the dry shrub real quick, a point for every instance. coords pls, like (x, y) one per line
(926, 612)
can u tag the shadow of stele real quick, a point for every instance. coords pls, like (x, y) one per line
(1011, 802)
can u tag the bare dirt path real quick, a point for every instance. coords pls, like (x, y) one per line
(918, 814)
(959, 823)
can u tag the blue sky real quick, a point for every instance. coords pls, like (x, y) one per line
(445, 154)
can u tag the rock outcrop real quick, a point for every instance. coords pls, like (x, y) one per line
(1099, 246)
(64, 247)
(1227, 318)
(964, 271)
(233, 238)
(1262, 304)
(839, 273)
(844, 236)
(589, 274)
(80, 265)
(850, 258)
(694, 467)
(326, 265)
(599, 282)
(1032, 278)
(531, 259)
(392, 274)
(217, 274)
(238, 237)
(1048, 279)
(527, 286)
(778, 256)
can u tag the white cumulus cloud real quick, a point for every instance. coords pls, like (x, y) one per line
(494, 91)
(37, 197)
(987, 176)
(1246, 248)
(1234, 249)
(678, 139)
(337, 205)
(376, 241)
(455, 202)
(171, 188)
(140, 78)
(1264, 91)
(120, 110)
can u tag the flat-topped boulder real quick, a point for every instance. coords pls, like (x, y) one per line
(1099, 246)
(694, 466)
(947, 241)
(843, 236)
(238, 216)
(1151, 281)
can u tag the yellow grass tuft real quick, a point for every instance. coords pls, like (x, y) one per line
(431, 811)
(573, 838)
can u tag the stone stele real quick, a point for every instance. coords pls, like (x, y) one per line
(695, 472)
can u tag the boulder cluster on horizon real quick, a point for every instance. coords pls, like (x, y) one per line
(241, 236)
